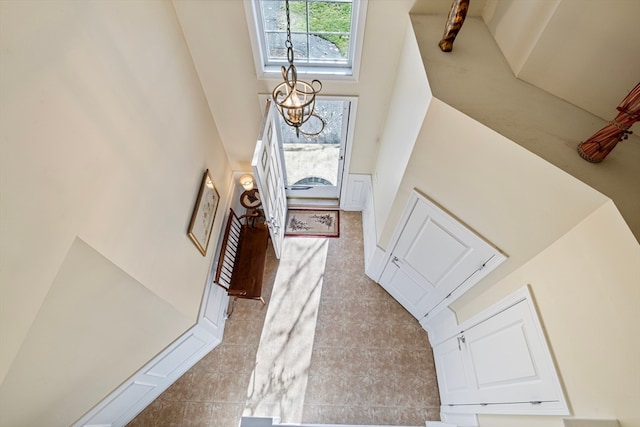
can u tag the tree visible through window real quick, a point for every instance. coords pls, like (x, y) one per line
(321, 32)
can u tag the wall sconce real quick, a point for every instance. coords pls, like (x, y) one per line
(246, 181)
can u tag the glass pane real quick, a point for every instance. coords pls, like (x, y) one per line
(298, 16)
(331, 17)
(314, 160)
(273, 15)
(329, 48)
(277, 50)
(323, 38)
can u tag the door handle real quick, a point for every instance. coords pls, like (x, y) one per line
(394, 261)
(271, 222)
(461, 340)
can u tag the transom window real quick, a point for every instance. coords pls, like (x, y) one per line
(326, 35)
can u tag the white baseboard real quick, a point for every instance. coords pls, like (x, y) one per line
(135, 394)
(460, 420)
(355, 192)
(374, 255)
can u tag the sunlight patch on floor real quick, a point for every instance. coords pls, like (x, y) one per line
(279, 380)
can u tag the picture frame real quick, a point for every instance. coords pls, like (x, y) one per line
(204, 214)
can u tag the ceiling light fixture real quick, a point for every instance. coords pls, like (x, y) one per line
(295, 99)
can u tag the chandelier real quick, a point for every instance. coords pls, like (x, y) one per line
(296, 99)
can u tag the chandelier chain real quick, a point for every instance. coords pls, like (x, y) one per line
(295, 99)
(288, 43)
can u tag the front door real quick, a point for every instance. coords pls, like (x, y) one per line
(314, 165)
(267, 171)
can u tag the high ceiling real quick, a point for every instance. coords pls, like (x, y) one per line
(586, 53)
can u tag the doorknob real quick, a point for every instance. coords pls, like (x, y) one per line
(271, 222)
(394, 261)
(461, 340)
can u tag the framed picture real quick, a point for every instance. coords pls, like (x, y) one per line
(204, 213)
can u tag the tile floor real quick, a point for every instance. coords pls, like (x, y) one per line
(370, 361)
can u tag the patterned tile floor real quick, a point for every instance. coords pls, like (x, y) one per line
(370, 361)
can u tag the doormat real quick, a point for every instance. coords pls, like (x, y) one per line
(313, 223)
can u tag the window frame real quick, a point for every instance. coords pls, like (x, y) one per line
(265, 70)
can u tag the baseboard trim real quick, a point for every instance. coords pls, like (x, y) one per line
(135, 394)
(356, 192)
(374, 255)
(459, 420)
(149, 382)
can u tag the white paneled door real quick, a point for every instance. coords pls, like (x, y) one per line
(434, 256)
(503, 359)
(267, 170)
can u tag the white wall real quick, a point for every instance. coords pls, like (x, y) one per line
(218, 39)
(511, 197)
(476, 80)
(442, 7)
(517, 27)
(96, 324)
(585, 52)
(407, 108)
(105, 137)
(586, 290)
(563, 238)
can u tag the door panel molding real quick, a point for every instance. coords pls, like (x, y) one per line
(267, 171)
(434, 258)
(506, 360)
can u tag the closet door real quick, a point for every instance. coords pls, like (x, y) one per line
(433, 256)
(501, 360)
(455, 376)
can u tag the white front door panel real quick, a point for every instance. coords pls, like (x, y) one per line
(267, 170)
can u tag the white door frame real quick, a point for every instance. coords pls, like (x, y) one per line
(346, 150)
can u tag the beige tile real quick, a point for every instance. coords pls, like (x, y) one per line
(328, 389)
(226, 414)
(203, 389)
(412, 416)
(371, 362)
(323, 414)
(150, 416)
(245, 331)
(180, 390)
(197, 414)
(232, 387)
(172, 413)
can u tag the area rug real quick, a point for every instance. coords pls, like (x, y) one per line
(313, 223)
